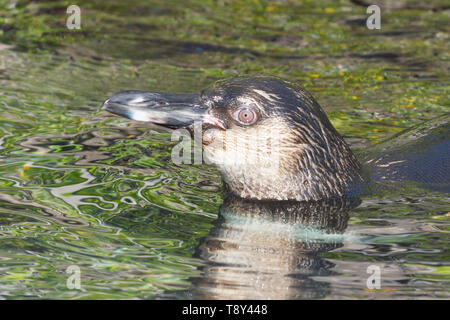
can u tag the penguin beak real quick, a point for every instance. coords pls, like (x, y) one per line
(169, 110)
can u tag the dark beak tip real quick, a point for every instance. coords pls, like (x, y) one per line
(170, 110)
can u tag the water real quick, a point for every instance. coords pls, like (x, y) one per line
(79, 187)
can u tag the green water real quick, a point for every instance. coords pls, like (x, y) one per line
(79, 187)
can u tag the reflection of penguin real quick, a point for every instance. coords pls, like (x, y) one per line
(270, 250)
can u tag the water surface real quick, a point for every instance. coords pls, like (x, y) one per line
(79, 187)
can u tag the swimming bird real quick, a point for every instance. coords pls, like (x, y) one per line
(271, 140)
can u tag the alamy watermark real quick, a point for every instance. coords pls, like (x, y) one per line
(228, 148)
(374, 20)
(74, 280)
(74, 19)
(374, 280)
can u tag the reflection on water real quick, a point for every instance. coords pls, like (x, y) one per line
(80, 188)
(270, 250)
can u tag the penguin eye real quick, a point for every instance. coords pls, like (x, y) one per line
(246, 116)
